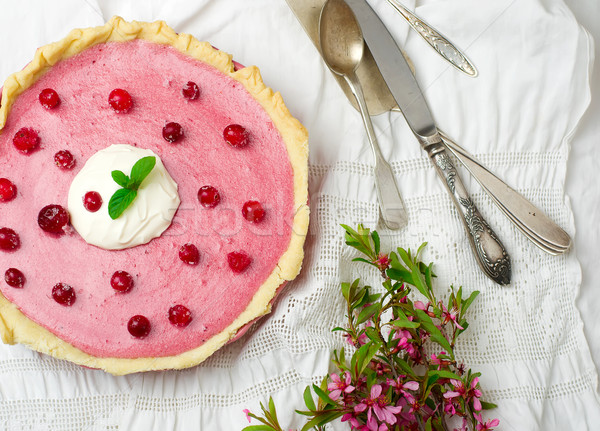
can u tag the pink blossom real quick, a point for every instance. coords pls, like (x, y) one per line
(459, 389)
(448, 316)
(358, 341)
(383, 262)
(485, 426)
(337, 385)
(474, 394)
(247, 413)
(437, 361)
(402, 387)
(420, 305)
(378, 404)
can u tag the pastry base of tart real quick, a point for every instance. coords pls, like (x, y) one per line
(16, 327)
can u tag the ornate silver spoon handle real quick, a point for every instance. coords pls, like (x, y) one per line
(442, 45)
(489, 251)
(536, 225)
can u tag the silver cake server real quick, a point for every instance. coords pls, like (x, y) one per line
(488, 249)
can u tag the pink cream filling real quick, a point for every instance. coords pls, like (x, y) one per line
(84, 123)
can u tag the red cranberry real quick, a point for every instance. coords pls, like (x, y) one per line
(120, 100)
(121, 281)
(14, 278)
(26, 140)
(236, 136)
(64, 159)
(253, 211)
(138, 326)
(180, 316)
(53, 219)
(63, 294)
(8, 190)
(190, 91)
(172, 132)
(238, 261)
(208, 196)
(49, 98)
(189, 254)
(9, 240)
(92, 201)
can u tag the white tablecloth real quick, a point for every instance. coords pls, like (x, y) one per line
(531, 340)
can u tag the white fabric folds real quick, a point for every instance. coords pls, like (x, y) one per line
(517, 117)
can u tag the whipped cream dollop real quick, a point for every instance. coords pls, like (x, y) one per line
(146, 218)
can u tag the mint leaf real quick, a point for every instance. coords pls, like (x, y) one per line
(122, 198)
(140, 171)
(120, 201)
(120, 178)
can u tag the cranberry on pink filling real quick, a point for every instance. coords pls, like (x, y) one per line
(238, 261)
(180, 316)
(138, 326)
(26, 140)
(64, 294)
(236, 136)
(120, 100)
(208, 196)
(253, 211)
(189, 254)
(9, 239)
(14, 278)
(92, 201)
(64, 159)
(49, 98)
(53, 219)
(190, 91)
(8, 190)
(172, 132)
(121, 281)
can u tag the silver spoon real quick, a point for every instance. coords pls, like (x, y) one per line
(443, 46)
(342, 46)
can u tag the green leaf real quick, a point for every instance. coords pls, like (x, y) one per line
(321, 393)
(120, 201)
(308, 400)
(435, 333)
(467, 303)
(376, 241)
(120, 178)
(272, 410)
(404, 323)
(370, 351)
(259, 428)
(322, 419)
(400, 274)
(140, 171)
(444, 374)
(487, 406)
(367, 312)
(405, 257)
(360, 259)
(428, 424)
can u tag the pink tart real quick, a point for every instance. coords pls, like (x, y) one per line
(200, 245)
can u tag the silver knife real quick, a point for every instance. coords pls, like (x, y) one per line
(488, 249)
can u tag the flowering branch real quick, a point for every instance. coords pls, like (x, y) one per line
(402, 373)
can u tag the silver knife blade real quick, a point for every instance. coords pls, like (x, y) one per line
(395, 71)
(489, 251)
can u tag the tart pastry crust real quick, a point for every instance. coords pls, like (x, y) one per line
(15, 327)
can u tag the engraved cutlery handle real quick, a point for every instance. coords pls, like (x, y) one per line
(393, 211)
(438, 42)
(489, 251)
(529, 219)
